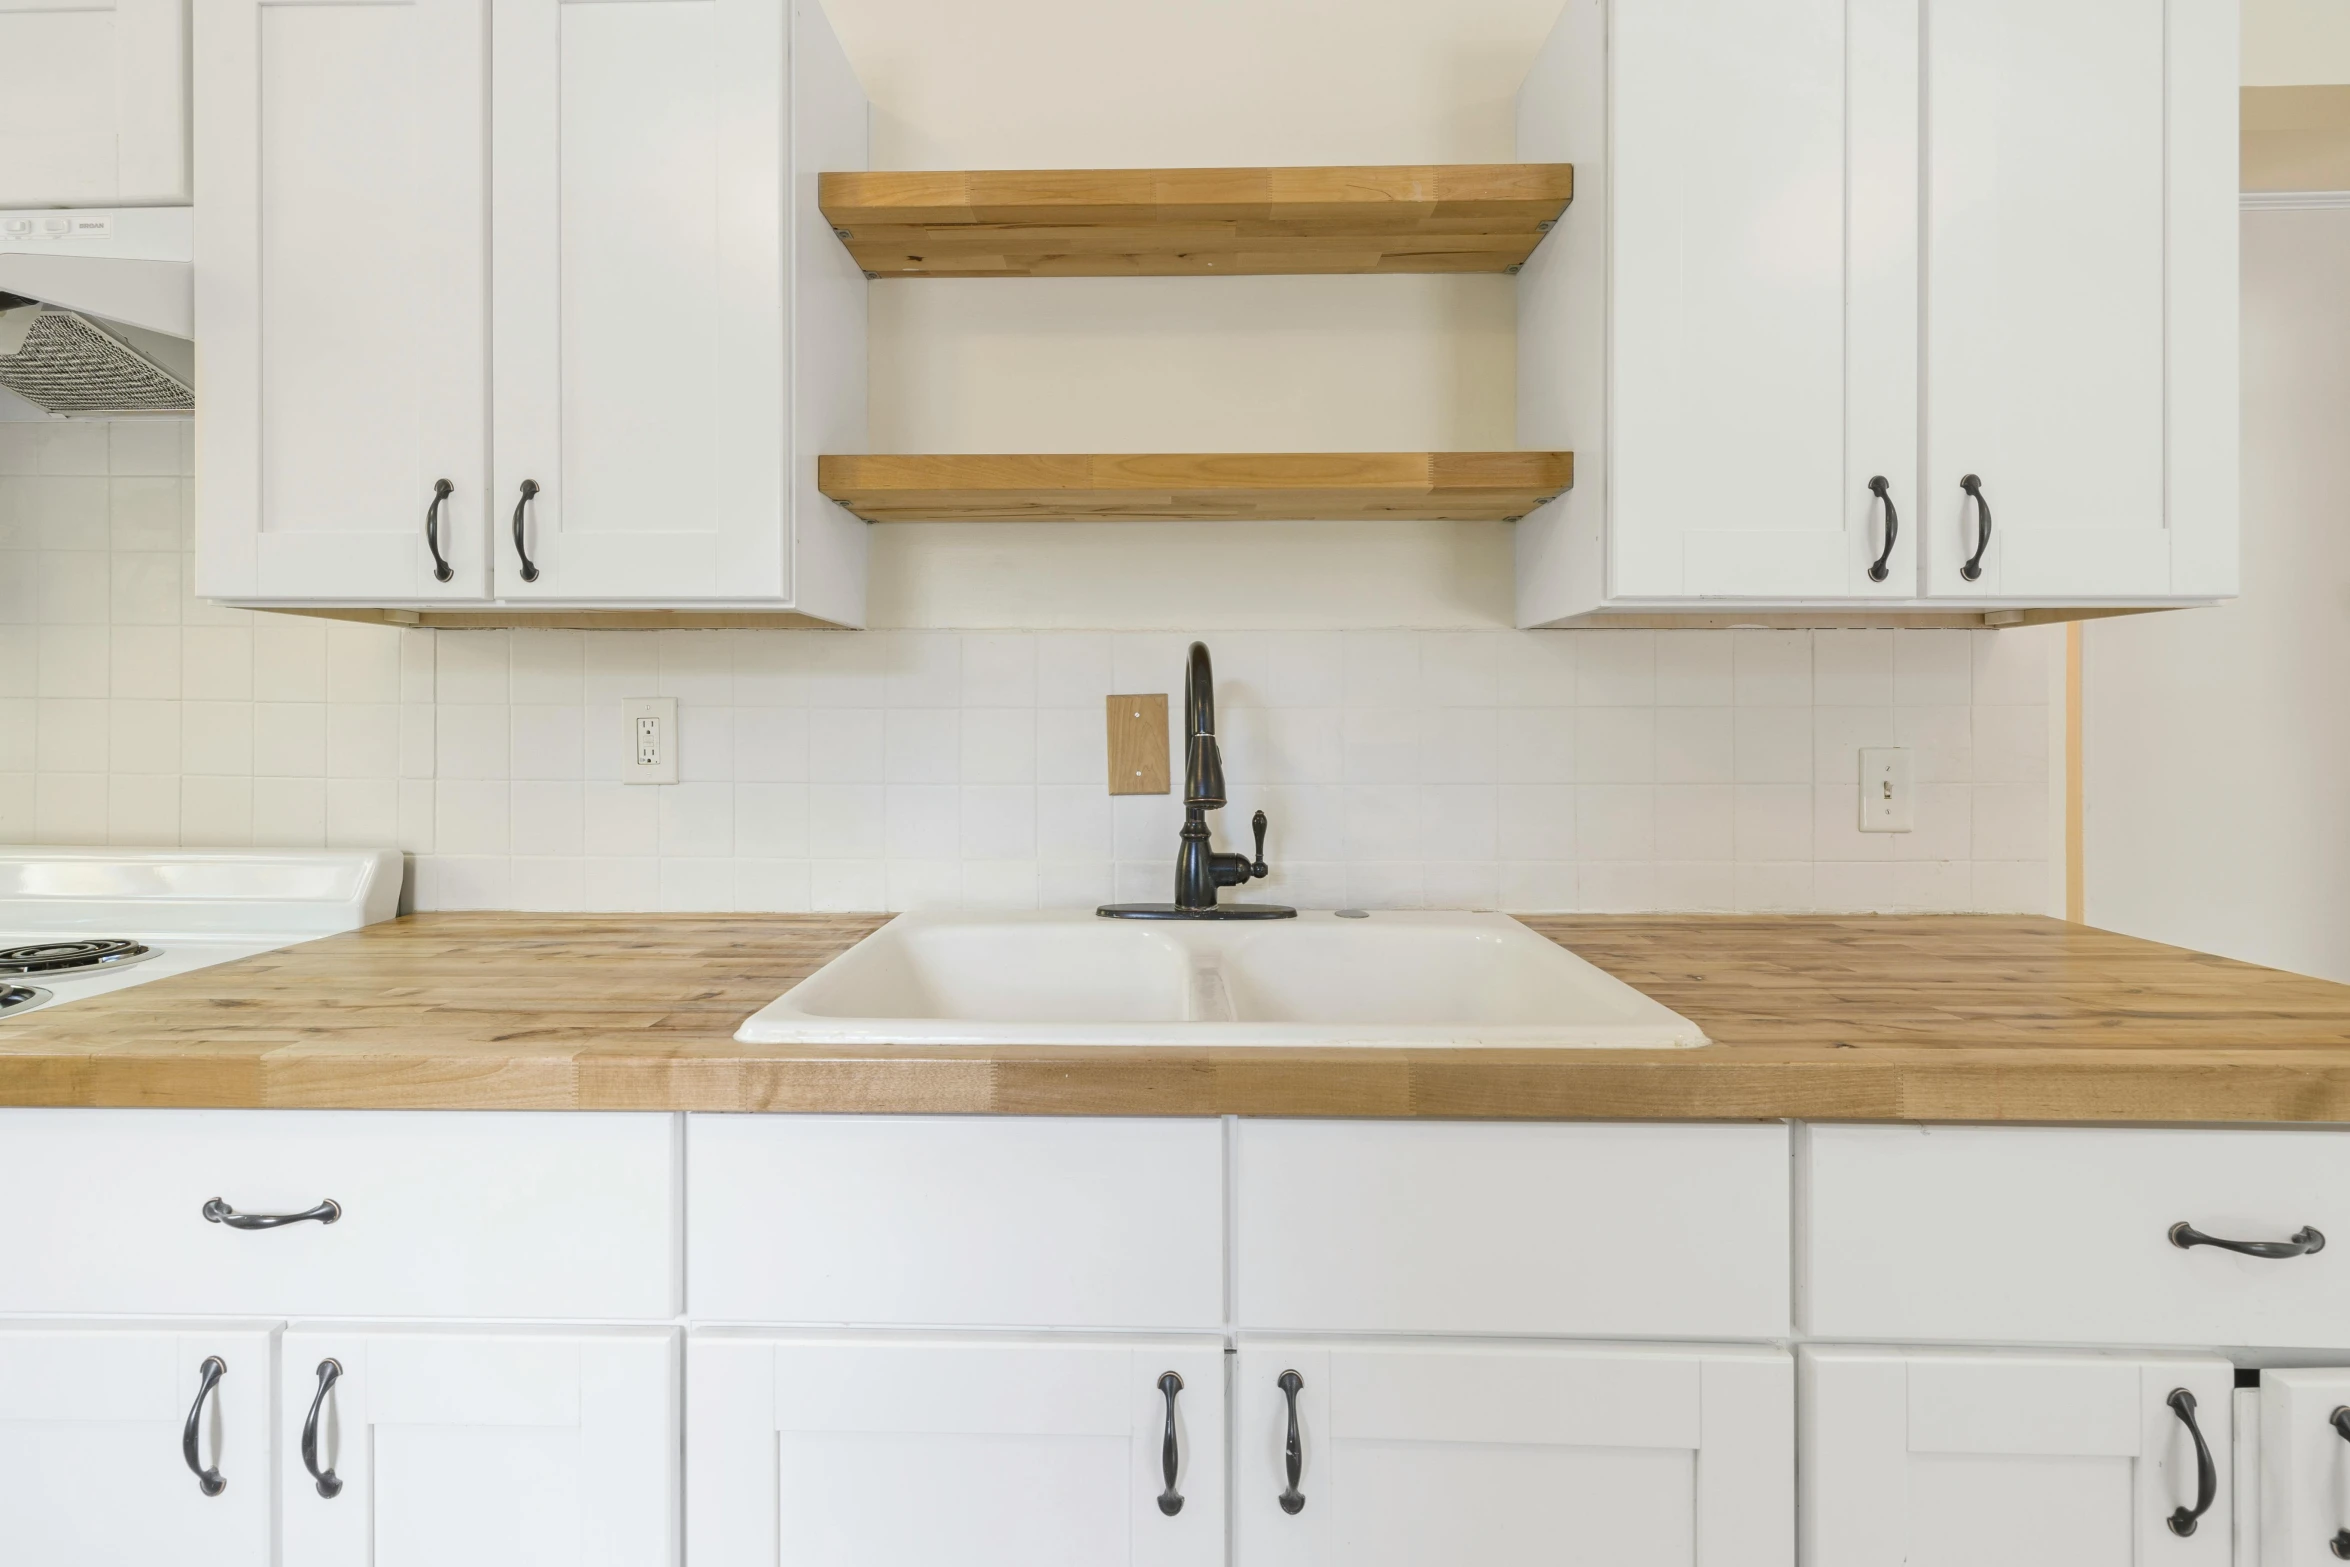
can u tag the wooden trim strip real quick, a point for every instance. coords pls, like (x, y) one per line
(2076, 879)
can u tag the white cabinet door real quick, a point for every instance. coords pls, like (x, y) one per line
(811, 1452)
(93, 1427)
(2048, 300)
(650, 162)
(1926, 1459)
(96, 109)
(1716, 300)
(1513, 1456)
(1726, 268)
(479, 1449)
(2304, 1458)
(341, 293)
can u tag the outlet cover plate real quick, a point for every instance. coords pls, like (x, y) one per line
(1138, 743)
(649, 739)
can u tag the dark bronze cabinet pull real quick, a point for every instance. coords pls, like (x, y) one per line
(1170, 1500)
(1293, 1454)
(219, 1212)
(1974, 566)
(530, 490)
(2302, 1243)
(1883, 491)
(2183, 1520)
(441, 489)
(2340, 1421)
(208, 1377)
(329, 1373)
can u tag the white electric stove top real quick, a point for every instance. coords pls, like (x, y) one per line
(73, 922)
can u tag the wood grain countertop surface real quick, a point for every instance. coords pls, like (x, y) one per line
(1933, 1017)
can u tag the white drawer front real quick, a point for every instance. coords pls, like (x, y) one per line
(1486, 1227)
(455, 1214)
(955, 1221)
(2048, 1235)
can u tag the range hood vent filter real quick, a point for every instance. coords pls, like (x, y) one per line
(67, 364)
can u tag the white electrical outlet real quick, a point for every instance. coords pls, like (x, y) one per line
(1887, 803)
(650, 737)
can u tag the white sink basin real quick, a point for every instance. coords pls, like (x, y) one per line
(1422, 979)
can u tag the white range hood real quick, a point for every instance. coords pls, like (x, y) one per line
(97, 310)
(126, 264)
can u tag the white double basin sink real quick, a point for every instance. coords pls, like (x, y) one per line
(1421, 980)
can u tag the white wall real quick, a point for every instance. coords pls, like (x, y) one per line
(2218, 768)
(1192, 364)
(2296, 43)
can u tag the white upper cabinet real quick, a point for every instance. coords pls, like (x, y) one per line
(1701, 266)
(2071, 278)
(341, 291)
(616, 227)
(658, 251)
(101, 120)
(1829, 261)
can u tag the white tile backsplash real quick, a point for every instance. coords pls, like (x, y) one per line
(1705, 770)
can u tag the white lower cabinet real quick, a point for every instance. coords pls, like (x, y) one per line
(1009, 1342)
(994, 1452)
(96, 1465)
(1379, 1455)
(2300, 1430)
(429, 1447)
(1923, 1458)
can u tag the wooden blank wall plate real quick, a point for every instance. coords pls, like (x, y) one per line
(1138, 743)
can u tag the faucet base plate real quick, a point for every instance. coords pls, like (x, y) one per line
(1170, 911)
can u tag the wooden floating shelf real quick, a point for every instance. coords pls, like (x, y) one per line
(1196, 486)
(1467, 217)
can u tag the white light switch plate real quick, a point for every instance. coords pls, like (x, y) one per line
(1887, 802)
(649, 735)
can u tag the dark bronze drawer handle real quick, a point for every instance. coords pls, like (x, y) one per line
(1974, 565)
(219, 1212)
(1293, 1500)
(441, 570)
(1170, 1500)
(530, 490)
(2304, 1242)
(1883, 491)
(209, 1374)
(2183, 1520)
(329, 1373)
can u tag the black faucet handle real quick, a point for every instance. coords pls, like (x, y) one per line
(1257, 823)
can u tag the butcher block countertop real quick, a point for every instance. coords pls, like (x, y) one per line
(1972, 1018)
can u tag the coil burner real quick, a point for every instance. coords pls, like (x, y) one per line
(64, 959)
(20, 998)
